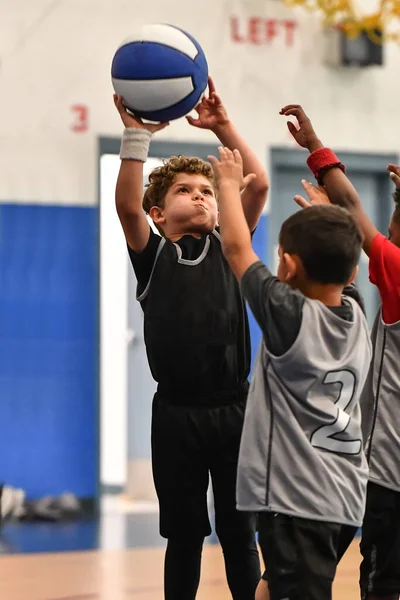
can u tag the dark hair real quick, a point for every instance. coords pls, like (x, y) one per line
(326, 239)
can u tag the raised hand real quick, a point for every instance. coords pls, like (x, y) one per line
(305, 135)
(229, 168)
(130, 120)
(394, 174)
(317, 195)
(211, 112)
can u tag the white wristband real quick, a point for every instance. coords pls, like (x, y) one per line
(135, 144)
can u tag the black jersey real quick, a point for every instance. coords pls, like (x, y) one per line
(195, 322)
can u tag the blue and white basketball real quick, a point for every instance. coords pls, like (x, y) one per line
(161, 72)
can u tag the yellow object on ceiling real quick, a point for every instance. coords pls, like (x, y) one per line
(346, 15)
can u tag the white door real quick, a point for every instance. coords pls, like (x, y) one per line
(126, 385)
(140, 390)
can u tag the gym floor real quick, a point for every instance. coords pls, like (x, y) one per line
(118, 556)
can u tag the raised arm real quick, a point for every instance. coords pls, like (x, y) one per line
(129, 190)
(275, 305)
(329, 172)
(235, 232)
(212, 115)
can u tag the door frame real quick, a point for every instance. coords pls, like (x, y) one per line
(362, 162)
(158, 148)
(289, 160)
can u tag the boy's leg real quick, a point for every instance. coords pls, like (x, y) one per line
(262, 592)
(182, 568)
(235, 530)
(300, 556)
(380, 545)
(180, 474)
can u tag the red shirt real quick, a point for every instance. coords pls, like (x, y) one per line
(384, 272)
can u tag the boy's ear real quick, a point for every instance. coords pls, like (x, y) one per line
(156, 214)
(352, 276)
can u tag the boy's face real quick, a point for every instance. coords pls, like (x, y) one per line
(394, 231)
(190, 204)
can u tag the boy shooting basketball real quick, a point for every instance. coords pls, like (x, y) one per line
(197, 342)
(301, 464)
(380, 542)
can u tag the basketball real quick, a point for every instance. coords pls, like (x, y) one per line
(161, 72)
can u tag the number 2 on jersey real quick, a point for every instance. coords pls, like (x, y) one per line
(324, 437)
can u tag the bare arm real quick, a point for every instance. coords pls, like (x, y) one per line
(235, 233)
(128, 201)
(337, 185)
(212, 115)
(342, 192)
(129, 189)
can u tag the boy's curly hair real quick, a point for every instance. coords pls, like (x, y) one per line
(161, 178)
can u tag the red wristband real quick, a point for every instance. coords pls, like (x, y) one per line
(321, 160)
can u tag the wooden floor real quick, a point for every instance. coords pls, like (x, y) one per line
(127, 575)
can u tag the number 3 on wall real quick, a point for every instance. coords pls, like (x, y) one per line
(324, 437)
(81, 122)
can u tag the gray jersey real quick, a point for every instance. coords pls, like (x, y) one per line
(380, 406)
(302, 450)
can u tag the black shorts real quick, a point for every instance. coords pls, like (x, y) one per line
(301, 555)
(346, 536)
(380, 543)
(188, 445)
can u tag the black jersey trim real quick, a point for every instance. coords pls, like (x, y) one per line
(270, 433)
(143, 295)
(192, 263)
(377, 395)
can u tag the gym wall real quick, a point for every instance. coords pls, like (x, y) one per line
(56, 103)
